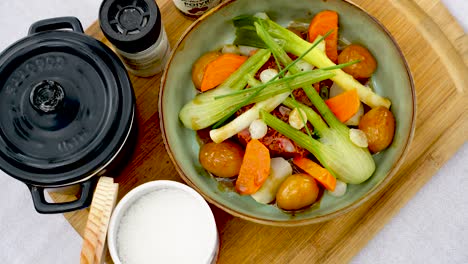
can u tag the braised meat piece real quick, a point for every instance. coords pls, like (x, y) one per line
(278, 144)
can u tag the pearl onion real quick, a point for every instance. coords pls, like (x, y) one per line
(340, 189)
(267, 75)
(258, 129)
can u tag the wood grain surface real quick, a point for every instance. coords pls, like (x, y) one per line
(436, 49)
(95, 233)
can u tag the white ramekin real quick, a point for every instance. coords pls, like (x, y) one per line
(150, 187)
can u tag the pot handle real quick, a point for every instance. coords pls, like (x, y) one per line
(44, 207)
(55, 24)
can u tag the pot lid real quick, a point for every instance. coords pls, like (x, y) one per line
(66, 105)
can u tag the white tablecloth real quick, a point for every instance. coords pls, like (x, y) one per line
(431, 228)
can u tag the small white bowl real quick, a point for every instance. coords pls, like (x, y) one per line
(155, 216)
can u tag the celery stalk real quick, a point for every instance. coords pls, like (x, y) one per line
(204, 110)
(245, 119)
(334, 150)
(317, 57)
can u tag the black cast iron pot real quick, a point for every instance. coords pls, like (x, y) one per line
(67, 111)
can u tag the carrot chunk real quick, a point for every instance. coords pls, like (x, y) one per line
(319, 173)
(220, 69)
(323, 22)
(255, 168)
(344, 105)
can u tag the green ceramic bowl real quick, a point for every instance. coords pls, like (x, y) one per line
(392, 80)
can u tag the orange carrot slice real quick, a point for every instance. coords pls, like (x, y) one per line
(220, 69)
(323, 22)
(322, 175)
(344, 105)
(255, 168)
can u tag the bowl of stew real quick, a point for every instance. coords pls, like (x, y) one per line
(287, 113)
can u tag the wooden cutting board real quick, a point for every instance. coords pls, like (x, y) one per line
(436, 48)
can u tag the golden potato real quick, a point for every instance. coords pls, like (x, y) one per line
(364, 68)
(379, 126)
(223, 159)
(296, 192)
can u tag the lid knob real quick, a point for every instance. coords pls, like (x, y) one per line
(47, 96)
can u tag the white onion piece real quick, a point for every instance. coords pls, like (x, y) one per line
(335, 90)
(286, 144)
(267, 74)
(245, 50)
(358, 137)
(295, 119)
(261, 15)
(284, 110)
(354, 120)
(304, 66)
(258, 129)
(280, 169)
(340, 189)
(299, 25)
(229, 48)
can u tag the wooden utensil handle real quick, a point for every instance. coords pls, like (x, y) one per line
(94, 239)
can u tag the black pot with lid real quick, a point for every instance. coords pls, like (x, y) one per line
(67, 111)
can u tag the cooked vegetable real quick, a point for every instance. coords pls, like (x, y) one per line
(354, 120)
(358, 137)
(340, 189)
(316, 57)
(223, 159)
(333, 149)
(367, 65)
(379, 126)
(335, 90)
(258, 129)
(297, 118)
(229, 48)
(204, 110)
(296, 192)
(255, 168)
(305, 66)
(247, 50)
(345, 105)
(318, 172)
(241, 122)
(279, 61)
(269, 98)
(218, 70)
(323, 22)
(280, 169)
(267, 75)
(245, 119)
(198, 68)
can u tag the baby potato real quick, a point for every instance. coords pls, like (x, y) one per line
(297, 191)
(379, 126)
(364, 68)
(222, 159)
(198, 68)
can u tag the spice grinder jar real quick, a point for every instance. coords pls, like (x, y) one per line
(135, 29)
(68, 111)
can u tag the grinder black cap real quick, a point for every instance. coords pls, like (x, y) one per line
(130, 25)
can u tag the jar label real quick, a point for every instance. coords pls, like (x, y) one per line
(195, 7)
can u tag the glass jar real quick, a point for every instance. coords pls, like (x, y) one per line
(195, 7)
(135, 29)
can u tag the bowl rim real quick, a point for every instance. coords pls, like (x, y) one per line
(292, 222)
